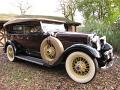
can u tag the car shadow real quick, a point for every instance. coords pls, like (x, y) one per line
(59, 67)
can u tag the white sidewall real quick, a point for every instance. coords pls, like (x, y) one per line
(81, 79)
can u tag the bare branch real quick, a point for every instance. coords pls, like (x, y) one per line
(68, 8)
(23, 7)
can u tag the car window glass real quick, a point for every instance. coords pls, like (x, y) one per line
(25, 29)
(32, 29)
(52, 27)
(17, 29)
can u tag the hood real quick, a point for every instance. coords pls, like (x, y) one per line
(73, 37)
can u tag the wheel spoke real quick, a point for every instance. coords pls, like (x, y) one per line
(80, 66)
(49, 50)
(10, 53)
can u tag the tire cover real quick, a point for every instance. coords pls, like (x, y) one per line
(59, 49)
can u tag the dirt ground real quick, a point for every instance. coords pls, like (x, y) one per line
(21, 75)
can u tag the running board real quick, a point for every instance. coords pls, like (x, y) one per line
(30, 59)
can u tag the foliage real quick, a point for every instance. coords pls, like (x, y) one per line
(101, 10)
(112, 32)
(68, 8)
(92, 26)
(100, 16)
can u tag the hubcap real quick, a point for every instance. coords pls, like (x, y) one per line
(11, 52)
(49, 50)
(80, 66)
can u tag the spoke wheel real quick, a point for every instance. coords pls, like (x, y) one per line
(80, 67)
(49, 51)
(10, 53)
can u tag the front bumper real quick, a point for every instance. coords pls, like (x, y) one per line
(108, 59)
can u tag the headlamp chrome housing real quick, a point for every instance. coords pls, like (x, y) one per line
(96, 40)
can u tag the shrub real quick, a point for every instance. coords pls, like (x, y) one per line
(112, 32)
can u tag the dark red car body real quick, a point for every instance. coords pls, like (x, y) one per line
(30, 42)
(28, 39)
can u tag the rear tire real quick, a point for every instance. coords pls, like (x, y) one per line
(80, 67)
(10, 53)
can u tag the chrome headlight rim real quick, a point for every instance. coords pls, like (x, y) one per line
(95, 39)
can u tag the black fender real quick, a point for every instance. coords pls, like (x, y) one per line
(84, 48)
(106, 47)
(92, 52)
(10, 42)
(16, 46)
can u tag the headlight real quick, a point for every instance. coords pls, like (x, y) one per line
(95, 39)
(103, 40)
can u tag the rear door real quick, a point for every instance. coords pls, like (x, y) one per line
(33, 37)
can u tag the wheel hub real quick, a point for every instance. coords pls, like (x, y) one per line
(80, 66)
(11, 52)
(50, 51)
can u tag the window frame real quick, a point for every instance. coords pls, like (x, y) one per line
(24, 30)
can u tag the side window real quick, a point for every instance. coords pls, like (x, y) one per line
(17, 29)
(25, 29)
(32, 29)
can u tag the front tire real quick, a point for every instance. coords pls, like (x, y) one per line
(80, 67)
(10, 53)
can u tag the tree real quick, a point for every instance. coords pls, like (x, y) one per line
(68, 8)
(101, 10)
(23, 7)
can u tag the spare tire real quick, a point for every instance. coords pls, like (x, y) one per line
(51, 49)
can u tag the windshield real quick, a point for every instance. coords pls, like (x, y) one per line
(53, 27)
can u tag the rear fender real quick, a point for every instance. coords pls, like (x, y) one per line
(13, 43)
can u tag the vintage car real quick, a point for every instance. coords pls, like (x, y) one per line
(51, 42)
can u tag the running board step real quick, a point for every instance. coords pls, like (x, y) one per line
(30, 59)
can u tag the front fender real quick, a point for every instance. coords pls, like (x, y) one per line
(82, 47)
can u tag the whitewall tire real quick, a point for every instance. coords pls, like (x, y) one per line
(10, 53)
(80, 67)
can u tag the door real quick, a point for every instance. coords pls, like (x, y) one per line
(33, 37)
